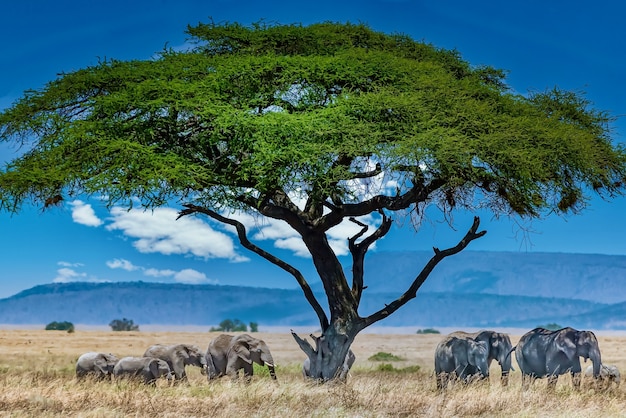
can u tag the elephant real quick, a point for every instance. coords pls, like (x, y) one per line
(545, 353)
(343, 373)
(96, 364)
(228, 354)
(609, 374)
(463, 358)
(498, 346)
(178, 356)
(149, 368)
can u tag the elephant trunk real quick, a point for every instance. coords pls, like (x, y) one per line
(594, 355)
(266, 358)
(270, 367)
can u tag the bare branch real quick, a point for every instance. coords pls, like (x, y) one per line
(428, 268)
(305, 345)
(358, 252)
(243, 238)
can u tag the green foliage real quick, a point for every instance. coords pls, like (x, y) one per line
(123, 325)
(257, 109)
(427, 331)
(382, 356)
(60, 326)
(386, 367)
(229, 325)
(551, 326)
(254, 327)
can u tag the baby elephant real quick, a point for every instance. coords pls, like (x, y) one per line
(608, 374)
(99, 365)
(177, 357)
(149, 368)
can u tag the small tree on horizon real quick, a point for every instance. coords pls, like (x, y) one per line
(312, 126)
(229, 325)
(123, 325)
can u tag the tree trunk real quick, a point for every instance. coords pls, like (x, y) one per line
(326, 358)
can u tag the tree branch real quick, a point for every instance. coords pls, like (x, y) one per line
(358, 252)
(305, 345)
(420, 192)
(243, 238)
(428, 268)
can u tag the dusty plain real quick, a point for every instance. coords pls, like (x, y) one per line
(37, 380)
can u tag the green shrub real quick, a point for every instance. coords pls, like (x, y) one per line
(60, 326)
(123, 325)
(229, 325)
(380, 356)
(428, 331)
(386, 367)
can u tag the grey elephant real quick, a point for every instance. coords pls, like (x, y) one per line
(148, 368)
(609, 374)
(343, 373)
(499, 348)
(544, 353)
(178, 356)
(227, 354)
(460, 358)
(99, 365)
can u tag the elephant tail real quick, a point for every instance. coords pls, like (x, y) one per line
(509, 355)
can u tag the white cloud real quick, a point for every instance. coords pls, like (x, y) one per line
(158, 273)
(65, 275)
(191, 276)
(67, 264)
(121, 264)
(158, 231)
(84, 214)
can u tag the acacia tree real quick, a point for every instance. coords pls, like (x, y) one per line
(311, 125)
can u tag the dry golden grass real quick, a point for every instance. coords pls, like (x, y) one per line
(37, 380)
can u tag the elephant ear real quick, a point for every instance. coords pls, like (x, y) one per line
(565, 344)
(101, 363)
(243, 351)
(183, 352)
(153, 366)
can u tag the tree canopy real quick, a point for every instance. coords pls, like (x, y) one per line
(312, 125)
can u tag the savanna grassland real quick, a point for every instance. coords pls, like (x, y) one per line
(37, 380)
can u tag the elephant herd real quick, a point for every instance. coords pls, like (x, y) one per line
(459, 356)
(226, 355)
(539, 353)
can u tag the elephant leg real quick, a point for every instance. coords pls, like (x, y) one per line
(248, 371)
(576, 378)
(552, 379)
(527, 380)
(504, 380)
(442, 380)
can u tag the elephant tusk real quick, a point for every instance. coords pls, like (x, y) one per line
(269, 364)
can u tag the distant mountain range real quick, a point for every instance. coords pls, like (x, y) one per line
(471, 289)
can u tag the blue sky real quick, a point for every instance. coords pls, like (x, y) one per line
(572, 44)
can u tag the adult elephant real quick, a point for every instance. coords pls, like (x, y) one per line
(544, 353)
(148, 368)
(343, 372)
(227, 354)
(178, 356)
(498, 348)
(460, 358)
(99, 365)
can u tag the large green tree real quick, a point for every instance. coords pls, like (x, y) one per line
(311, 125)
